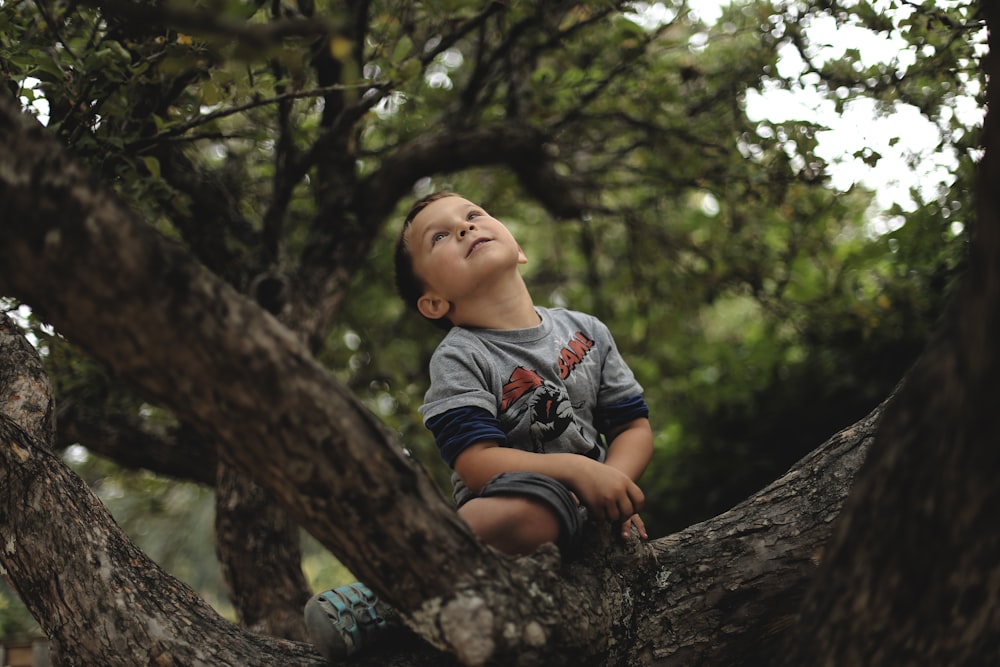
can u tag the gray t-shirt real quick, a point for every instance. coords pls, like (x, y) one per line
(543, 384)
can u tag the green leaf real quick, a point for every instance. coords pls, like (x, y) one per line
(403, 48)
(152, 165)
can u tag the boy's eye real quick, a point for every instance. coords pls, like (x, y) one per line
(473, 214)
(437, 237)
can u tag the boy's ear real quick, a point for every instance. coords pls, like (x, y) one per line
(432, 306)
(521, 257)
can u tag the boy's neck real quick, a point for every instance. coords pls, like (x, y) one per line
(508, 306)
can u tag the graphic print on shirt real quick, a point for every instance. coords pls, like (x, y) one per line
(546, 404)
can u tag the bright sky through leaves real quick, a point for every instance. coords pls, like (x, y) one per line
(903, 139)
(896, 137)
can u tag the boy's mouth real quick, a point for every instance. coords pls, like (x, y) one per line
(476, 244)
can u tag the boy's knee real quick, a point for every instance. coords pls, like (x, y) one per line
(538, 507)
(512, 524)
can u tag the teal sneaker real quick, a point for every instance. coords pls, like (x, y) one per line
(343, 620)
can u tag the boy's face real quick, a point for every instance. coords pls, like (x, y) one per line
(458, 250)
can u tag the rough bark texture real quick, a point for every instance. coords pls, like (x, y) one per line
(723, 592)
(61, 546)
(25, 392)
(912, 575)
(258, 544)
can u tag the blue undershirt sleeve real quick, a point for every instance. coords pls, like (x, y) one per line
(458, 428)
(608, 417)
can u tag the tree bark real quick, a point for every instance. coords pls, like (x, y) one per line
(97, 597)
(725, 591)
(25, 391)
(912, 574)
(258, 547)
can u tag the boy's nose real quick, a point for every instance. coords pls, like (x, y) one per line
(462, 233)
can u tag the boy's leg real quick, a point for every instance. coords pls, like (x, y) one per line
(511, 524)
(518, 512)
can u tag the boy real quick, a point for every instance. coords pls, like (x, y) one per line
(520, 396)
(511, 383)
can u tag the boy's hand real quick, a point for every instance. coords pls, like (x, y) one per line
(640, 528)
(606, 492)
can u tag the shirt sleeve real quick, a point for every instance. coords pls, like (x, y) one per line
(460, 377)
(618, 385)
(606, 418)
(458, 428)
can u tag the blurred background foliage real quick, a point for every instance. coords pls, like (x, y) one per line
(762, 308)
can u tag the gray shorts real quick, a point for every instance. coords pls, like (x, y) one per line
(552, 493)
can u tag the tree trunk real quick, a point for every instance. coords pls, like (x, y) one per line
(258, 546)
(912, 575)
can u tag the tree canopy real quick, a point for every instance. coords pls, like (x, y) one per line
(216, 149)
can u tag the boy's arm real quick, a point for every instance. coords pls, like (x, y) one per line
(607, 491)
(630, 450)
(630, 447)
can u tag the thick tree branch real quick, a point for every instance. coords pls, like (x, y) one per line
(177, 452)
(724, 592)
(516, 145)
(25, 392)
(39, 555)
(137, 621)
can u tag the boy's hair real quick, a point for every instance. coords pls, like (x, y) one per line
(409, 286)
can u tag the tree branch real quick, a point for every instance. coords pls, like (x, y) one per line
(177, 452)
(25, 392)
(175, 131)
(519, 146)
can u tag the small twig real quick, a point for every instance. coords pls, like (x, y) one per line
(257, 102)
(54, 27)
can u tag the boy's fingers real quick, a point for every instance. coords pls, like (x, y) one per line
(629, 503)
(640, 528)
(637, 498)
(640, 525)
